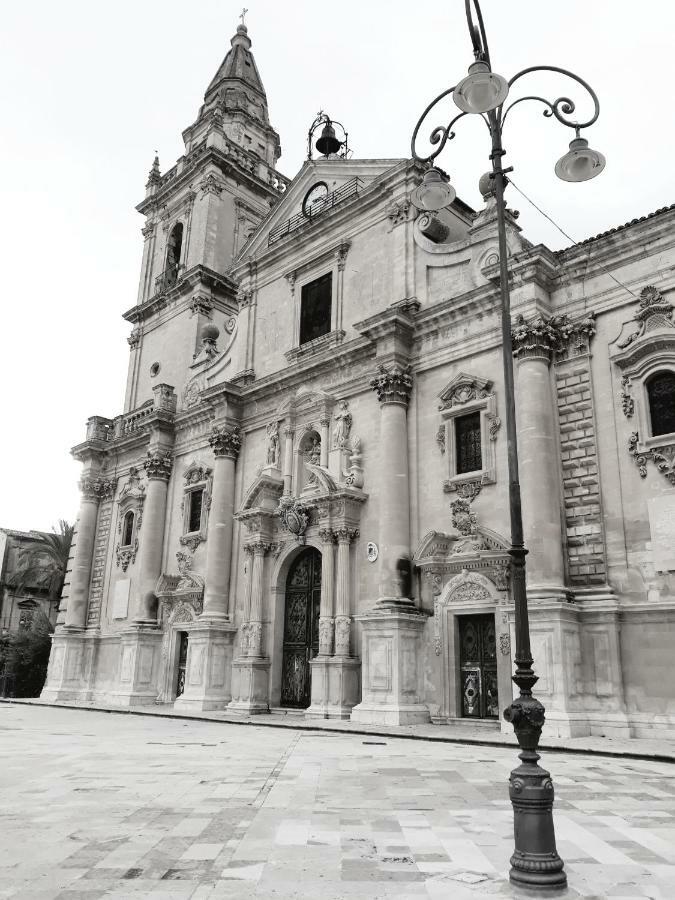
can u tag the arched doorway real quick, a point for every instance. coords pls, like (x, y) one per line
(301, 628)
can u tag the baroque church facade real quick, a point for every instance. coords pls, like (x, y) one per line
(304, 503)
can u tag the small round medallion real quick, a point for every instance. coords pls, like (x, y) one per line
(372, 551)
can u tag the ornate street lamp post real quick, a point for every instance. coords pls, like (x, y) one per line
(535, 862)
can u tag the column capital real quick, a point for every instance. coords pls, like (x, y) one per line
(392, 384)
(259, 548)
(97, 488)
(327, 536)
(158, 464)
(225, 440)
(544, 337)
(534, 338)
(345, 535)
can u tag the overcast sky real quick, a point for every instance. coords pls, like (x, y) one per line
(89, 90)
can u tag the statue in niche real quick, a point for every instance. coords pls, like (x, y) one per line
(342, 427)
(273, 444)
(313, 457)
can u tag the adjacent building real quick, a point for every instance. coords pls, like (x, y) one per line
(304, 502)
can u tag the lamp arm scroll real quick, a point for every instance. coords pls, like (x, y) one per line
(562, 106)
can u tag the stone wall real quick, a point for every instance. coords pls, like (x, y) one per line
(581, 485)
(98, 566)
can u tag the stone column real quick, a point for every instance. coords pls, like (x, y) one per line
(393, 388)
(248, 550)
(250, 672)
(325, 441)
(76, 613)
(539, 454)
(289, 433)
(225, 443)
(326, 620)
(392, 683)
(158, 465)
(343, 595)
(255, 624)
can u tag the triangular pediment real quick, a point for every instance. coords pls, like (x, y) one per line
(337, 175)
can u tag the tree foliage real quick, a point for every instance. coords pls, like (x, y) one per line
(43, 564)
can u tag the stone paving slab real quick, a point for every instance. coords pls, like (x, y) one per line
(97, 806)
(463, 732)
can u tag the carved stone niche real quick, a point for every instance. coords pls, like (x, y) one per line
(129, 519)
(645, 348)
(442, 556)
(197, 480)
(258, 512)
(463, 396)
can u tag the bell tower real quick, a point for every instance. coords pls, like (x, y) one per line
(199, 214)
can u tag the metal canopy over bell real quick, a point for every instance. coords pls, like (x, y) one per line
(328, 143)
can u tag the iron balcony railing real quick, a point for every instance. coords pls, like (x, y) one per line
(349, 189)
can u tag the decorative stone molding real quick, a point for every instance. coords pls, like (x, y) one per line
(244, 299)
(98, 488)
(464, 395)
(342, 634)
(399, 211)
(663, 457)
(294, 516)
(225, 440)
(164, 397)
(552, 337)
(354, 477)
(462, 389)
(462, 517)
(344, 534)
(158, 464)
(134, 338)
(393, 385)
(504, 643)
(126, 555)
(627, 401)
(466, 490)
(131, 499)
(211, 184)
(202, 306)
(196, 477)
(341, 254)
(654, 313)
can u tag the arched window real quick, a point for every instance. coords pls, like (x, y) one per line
(661, 395)
(128, 529)
(174, 248)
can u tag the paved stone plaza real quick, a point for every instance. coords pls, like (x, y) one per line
(104, 805)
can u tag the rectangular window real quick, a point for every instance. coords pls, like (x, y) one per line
(195, 518)
(467, 443)
(315, 308)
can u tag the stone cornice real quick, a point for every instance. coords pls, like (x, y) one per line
(194, 277)
(226, 163)
(536, 265)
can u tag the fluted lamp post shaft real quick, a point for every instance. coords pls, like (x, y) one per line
(535, 862)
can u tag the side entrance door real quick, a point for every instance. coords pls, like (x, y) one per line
(478, 667)
(301, 628)
(182, 661)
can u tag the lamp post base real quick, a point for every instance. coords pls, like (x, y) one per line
(535, 862)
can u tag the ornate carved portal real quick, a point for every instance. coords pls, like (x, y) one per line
(478, 667)
(301, 628)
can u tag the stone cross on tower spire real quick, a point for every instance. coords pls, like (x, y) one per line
(243, 13)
